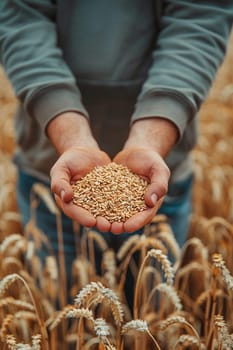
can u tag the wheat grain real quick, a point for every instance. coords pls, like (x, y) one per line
(43, 192)
(23, 346)
(143, 244)
(219, 263)
(11, 264)
(168, 238)
(112, 191)
(81, 270)
(101, 329)
(51, 267)
(11, 342)
(138, 325)
(221, 327)
(4, 285)
(180, 320)
(109, 267)
(25, 315)
(165, 263)
(6, 282)
(54, 321)
(166, 267)
(5, 325)
(95, 292)
(36, 342)
(98, 239)
(112, 299)
(223, 335)
(126, 246)
(87, 292)
(82, 312)
(171, 293)
(10, 301)
(11, 239)
(187, 340)
(30, 250)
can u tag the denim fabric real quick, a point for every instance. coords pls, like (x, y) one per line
(176, 206)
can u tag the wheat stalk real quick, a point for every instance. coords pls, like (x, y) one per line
(126, 246)
(102, 331)
(11, 342)
(4, 285)
(10, 265)
(54, 321)
(95, 292)
(82, 312)
(225, 340)
(179, 320)
(109, 267)
(5, 325)
(9, 240)
(166, 267)
(188, 340)
(219, 263)
(139, 326)
(170, 292)
(36, 342)
(143, 244)
(80, 271)
(10, 301)
(43, 192)
(168, 238)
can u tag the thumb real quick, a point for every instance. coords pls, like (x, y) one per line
(60, 184)
(158, 187)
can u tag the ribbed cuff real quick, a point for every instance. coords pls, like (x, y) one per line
(164, 105)
(50, 101)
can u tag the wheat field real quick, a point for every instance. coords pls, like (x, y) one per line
(183, 297)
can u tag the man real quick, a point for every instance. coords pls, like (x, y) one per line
(110, 80)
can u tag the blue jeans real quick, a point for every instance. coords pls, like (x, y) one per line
(176, 206)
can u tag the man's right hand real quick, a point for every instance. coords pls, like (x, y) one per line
(73, 164)
(78, 155)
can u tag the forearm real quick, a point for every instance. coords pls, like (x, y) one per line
(69, 130)
(190, 46)
(158, 134)
(34, 62)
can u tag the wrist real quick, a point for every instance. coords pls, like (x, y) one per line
(158, 134)
(70, 129)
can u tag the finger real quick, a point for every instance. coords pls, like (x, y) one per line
(158, 185)
(76, 213)
(117, 228)
(139, 220)
(102, 224)
(60, 183)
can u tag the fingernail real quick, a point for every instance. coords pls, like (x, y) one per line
(62, 194)
(154, 198)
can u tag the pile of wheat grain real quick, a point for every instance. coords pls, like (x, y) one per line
(111, 191)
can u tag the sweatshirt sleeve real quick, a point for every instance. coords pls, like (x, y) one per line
(34, 62)
(190, 46)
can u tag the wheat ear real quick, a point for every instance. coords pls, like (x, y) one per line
(166, 267)
(4, 285)
(180, 321)
(139, 326)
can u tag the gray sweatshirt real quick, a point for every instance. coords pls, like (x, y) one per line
(114, 61)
